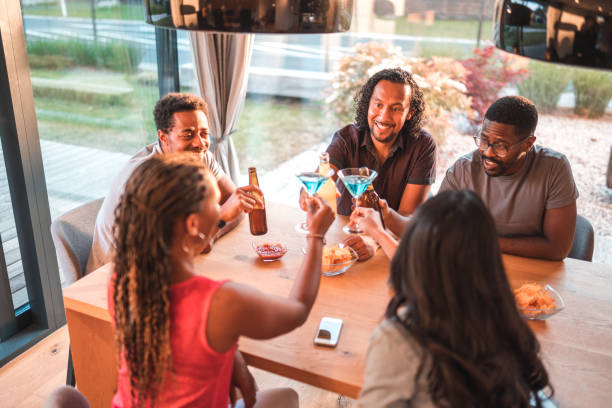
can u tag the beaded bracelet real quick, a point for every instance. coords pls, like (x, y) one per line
(320, 236)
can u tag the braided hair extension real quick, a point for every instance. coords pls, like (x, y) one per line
(161, 191)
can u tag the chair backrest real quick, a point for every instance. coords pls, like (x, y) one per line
(72, 235)
(584, 240)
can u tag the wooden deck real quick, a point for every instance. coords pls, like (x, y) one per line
(74, 175)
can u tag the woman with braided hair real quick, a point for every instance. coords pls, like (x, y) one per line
(177, 331)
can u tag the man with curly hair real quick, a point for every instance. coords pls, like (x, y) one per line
(529, 189)
(388, 137)
(182, 126)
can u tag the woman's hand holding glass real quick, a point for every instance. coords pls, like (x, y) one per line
(368, 220)
(319, 217)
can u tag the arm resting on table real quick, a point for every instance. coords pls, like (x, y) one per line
(557, 239)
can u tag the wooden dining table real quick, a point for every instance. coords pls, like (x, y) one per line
(576, 343)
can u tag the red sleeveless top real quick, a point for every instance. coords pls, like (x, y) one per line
(201, 376)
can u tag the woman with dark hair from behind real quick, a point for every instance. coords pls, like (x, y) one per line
(452, 336)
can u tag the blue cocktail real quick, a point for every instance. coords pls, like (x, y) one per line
(313, 182)
(356, 181)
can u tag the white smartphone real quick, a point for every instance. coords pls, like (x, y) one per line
(329, 331)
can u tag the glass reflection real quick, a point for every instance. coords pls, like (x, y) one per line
(569, 32)
(255, 16)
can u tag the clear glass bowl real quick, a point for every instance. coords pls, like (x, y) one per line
(543, 314)
(341, 267)
(269, 250)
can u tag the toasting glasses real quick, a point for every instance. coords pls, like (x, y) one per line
(356, 181)
(313, 182)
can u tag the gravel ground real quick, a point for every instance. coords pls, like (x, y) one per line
(586, 143)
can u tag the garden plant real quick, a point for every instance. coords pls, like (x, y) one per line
(451, 87)
(545, 84)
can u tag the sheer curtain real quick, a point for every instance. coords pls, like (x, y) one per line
(221, 63)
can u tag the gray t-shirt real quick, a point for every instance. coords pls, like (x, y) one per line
(517, 202)
(392, 361)
(101, 248)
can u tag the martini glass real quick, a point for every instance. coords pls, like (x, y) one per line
(356, 181)
(313, 182)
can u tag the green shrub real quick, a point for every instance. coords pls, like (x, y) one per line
(147, 78)
(545, 84)
(50, 62)
(113, 55)
(84, 95)
(593, 91)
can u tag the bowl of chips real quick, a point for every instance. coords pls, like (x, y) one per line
(535, 302)
(269, 251)
(337, 259)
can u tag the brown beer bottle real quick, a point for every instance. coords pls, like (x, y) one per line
(257, 217)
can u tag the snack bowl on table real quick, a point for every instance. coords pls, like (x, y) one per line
(269, 250)
(551, 301)
(337, 259)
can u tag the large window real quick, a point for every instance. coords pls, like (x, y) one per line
(300, 91)
(96, 70)
(94, 75)
(30, 292)
(10, 255)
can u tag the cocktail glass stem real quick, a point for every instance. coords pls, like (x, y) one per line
(303, 226)
(356, 227)
(356, 180)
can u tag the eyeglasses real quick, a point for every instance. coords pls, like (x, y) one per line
(499, 149)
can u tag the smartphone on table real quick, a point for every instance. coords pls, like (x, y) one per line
(328, 332)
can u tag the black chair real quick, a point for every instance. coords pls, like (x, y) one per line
(72, 235)
(584, 240)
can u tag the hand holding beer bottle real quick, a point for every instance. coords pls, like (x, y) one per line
(370, 199)
(257, 217)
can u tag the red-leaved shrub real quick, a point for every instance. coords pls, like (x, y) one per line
(489, 71)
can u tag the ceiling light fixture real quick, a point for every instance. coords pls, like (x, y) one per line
(563, 31)
(252, 16)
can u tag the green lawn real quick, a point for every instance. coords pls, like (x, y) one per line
(82, 8)
(428, 50)
(467, 29)
(122, 128)
(272, 130)
(269, 132)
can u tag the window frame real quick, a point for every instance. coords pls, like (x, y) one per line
(24, 167)
(23, 160)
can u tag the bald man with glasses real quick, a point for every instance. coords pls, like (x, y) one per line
(529, 189)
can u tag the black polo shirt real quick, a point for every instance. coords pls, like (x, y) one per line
(411, 160)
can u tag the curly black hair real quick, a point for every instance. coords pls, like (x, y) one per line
(517, 111)
(176, 102)
(398, 76)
